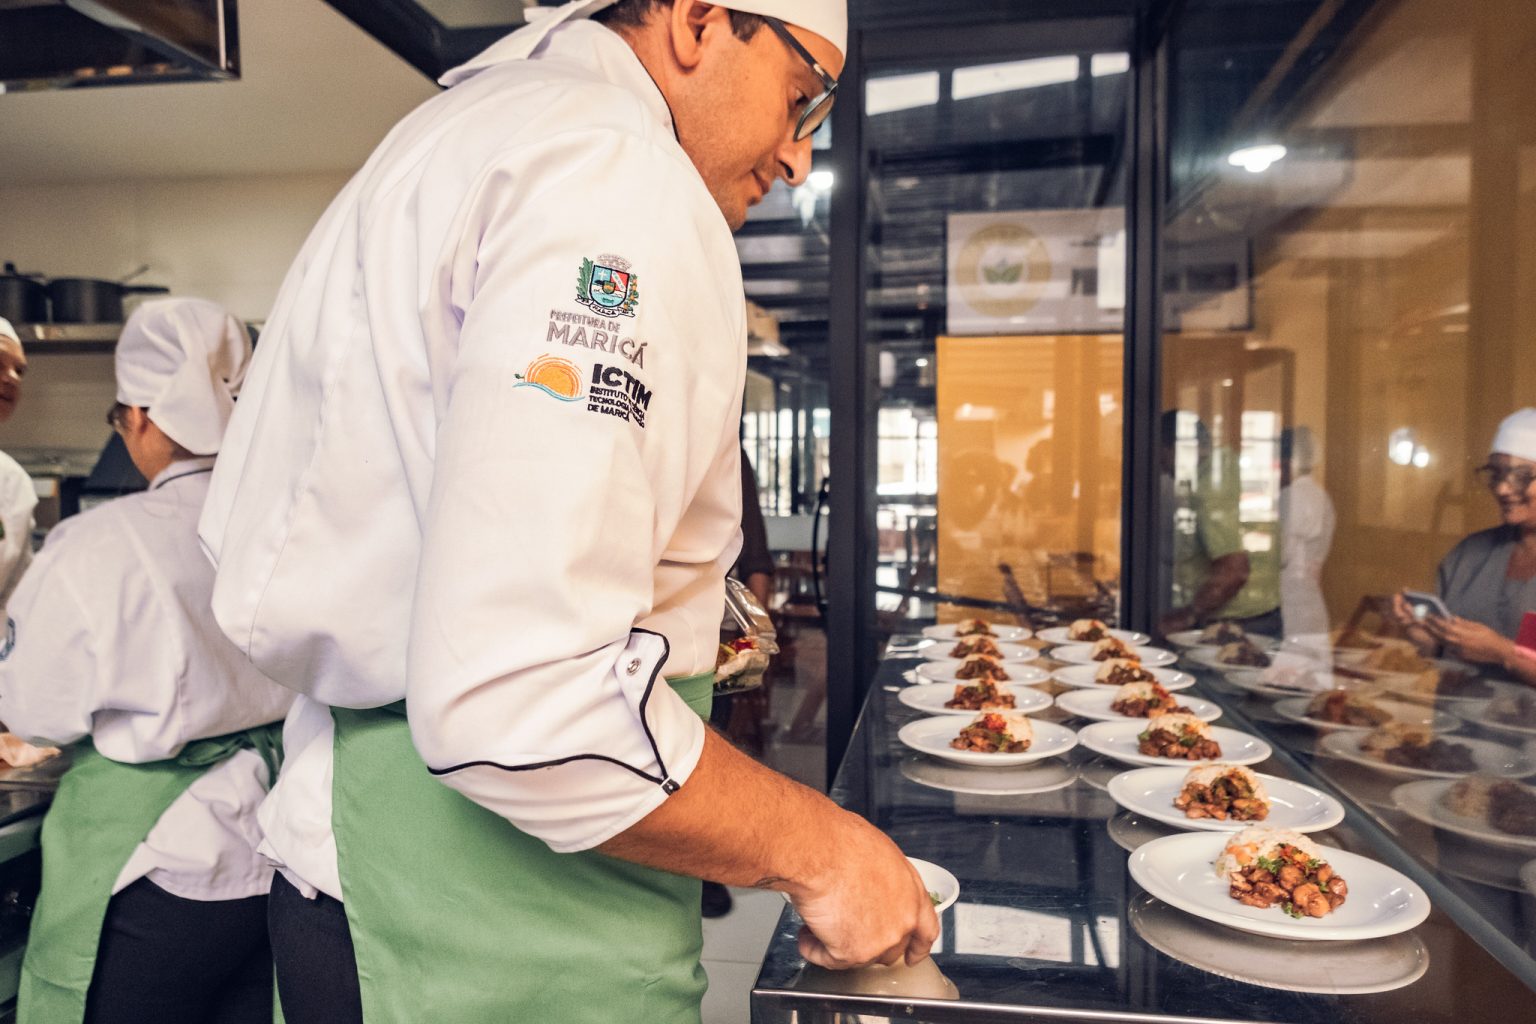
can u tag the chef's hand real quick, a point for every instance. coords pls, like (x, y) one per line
(1471, 641)
(1402, 612)
(1419, 634)
(869, 907)
(1176, 621)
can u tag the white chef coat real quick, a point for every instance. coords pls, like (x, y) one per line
(18, 499)
(112, 636)
(397, 512)
(1307, 522)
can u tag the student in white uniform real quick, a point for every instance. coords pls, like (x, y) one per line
(477, 505)
(18, 498)
(153, 905)
(1307, 523)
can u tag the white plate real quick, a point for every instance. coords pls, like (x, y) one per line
(938, 881)
(1018, 672)
(1150, 792)
(1081, 676)
(1294, 709)
(1478, 715)
(1178, 870)
(1190, 638)
(1206, 657)
(1498, 689)
(1254, 681)
(1424, 800)
(1062, 635)
(1490, 758)
(1095, 704)
(1000, 632)
(931, 736)
(1041, 777)
(1119, 741)
(1011, 652)
(1082, 654)
(1350, 968)
(930, 697)
(1319, 647)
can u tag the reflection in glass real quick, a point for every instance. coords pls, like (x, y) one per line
(1351, 325)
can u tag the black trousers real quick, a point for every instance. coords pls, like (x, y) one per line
(164, 959)
(316, 968)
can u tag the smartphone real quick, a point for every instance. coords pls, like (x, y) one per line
(1424, 605)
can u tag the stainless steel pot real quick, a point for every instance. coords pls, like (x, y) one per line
(23, 297)
(87, 300)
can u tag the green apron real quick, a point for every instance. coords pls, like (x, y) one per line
(457, 916)
(102, 812)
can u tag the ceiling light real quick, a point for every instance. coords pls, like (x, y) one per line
(1256, 159)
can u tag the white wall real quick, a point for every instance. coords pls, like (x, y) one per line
(226, 239)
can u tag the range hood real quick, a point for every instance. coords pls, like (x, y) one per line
(64, 44)
(435, 35)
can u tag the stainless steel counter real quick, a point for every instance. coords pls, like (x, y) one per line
(1050, 927)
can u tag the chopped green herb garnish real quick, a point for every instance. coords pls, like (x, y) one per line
(935, 897)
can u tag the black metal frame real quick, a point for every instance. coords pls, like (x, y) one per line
(851, 642)
(850, 545)
(1141, 585)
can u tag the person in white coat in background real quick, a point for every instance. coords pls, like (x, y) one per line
(1307, 523)
(18, 498)
(477, 505)
(153, 902)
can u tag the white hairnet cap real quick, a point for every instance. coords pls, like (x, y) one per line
(184, 361)
(827, 18)
(1517, 435)
(7, 331)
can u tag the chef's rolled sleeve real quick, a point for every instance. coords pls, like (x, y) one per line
(564, 464)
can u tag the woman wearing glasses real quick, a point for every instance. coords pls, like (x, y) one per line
(1488, 581)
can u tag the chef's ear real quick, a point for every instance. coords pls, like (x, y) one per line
(691, 22)
(134, 419)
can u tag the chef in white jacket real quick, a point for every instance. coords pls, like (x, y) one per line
(477, 505)
(153, 904)
(18, 498)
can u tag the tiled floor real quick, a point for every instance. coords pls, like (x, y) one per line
(733, 952)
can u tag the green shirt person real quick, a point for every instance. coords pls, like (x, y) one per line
(1212, 574)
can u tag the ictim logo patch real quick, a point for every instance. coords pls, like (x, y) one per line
(556, 377)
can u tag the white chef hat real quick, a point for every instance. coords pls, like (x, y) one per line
(7, 331)
(184, 361)
(1517, 435)
(827, 18)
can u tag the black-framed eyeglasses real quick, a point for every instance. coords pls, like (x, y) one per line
(1520, 477)
(819, 107)
(115, 415)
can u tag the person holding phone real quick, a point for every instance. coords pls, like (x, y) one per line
(1487, 582)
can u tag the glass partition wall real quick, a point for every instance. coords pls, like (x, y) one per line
(1348, 271)
(993, 174)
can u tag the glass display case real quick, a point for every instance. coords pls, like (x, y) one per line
(1360, 181)
(1051, 921)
